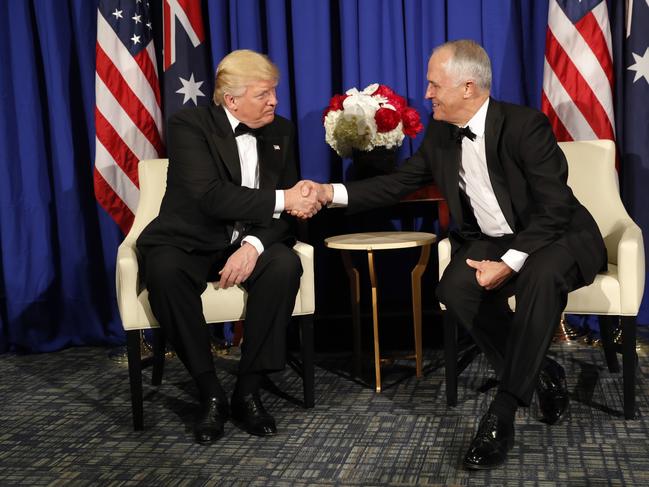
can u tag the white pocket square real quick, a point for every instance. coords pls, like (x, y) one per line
(276, 147)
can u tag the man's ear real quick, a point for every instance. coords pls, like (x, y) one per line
(469, 88)
(230, 102)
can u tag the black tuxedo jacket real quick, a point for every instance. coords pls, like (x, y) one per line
(204, 196)
(528, 172)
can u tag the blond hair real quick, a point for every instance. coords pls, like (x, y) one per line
(238, 69)
(468, 60)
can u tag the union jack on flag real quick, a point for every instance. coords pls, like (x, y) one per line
(578, 72)
(187, 72)
(128, 118)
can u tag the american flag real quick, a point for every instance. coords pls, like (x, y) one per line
(187, 69)
(578, 71)
(128, 116)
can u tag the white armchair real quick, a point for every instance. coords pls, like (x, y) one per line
(615, 294)
(219, 305)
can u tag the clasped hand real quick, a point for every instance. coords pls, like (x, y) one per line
(306, 198)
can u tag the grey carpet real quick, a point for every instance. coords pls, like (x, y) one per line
(65, 419)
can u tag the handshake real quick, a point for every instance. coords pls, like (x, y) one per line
(306, 198)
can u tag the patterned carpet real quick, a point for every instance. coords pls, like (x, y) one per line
(65, 419)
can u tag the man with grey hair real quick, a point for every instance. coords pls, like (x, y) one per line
(232, 174)
(519, 231)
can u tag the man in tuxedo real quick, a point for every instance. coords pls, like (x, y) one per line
(232, 174)
(519, 231)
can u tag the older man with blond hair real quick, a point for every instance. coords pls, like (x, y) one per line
(232, 174)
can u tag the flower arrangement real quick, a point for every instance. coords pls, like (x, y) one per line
(374, 117)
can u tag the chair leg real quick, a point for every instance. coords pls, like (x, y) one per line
(607, 325)
(450, 358)
(159, 343)
(308, 373)
(135, 377)
(629, 364)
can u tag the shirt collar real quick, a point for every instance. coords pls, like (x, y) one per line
(232, 119)
(478, 121)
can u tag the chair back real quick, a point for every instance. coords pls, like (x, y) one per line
(152, 174)
(594, 181)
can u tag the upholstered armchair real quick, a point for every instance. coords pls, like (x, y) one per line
(615, 295)
(219, 305)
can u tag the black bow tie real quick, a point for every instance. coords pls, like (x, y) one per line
(458, 133)
(242, 128)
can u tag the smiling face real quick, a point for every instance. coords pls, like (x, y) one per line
(447, 95)
(256, 106)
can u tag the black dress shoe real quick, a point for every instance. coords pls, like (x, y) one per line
(208, 426)
(248, 412)
(491, 443)
(552, 392)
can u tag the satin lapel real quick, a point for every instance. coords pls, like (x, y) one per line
(271, 158)
(493, 132)
(450, 153)
(225, 144)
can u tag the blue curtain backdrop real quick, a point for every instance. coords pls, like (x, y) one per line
(57, 254)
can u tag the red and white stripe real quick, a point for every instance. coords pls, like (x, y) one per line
(128, 122)
(578, 75)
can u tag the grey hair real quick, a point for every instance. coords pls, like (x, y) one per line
(468, 60)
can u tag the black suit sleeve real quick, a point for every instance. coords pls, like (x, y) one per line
(546, 171)
(281, 229)
(387, 190)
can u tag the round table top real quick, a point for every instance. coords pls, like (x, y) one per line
(380, 240)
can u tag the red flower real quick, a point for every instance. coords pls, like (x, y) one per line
(386, 119)
(411, 123)
(395, 100)
(336, 103)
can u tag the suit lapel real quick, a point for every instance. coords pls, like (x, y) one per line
(225, 144)
(493, 131)
(450, 154)
(270, 149)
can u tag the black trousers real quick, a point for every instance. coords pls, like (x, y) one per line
(514, 343)
(176, 279)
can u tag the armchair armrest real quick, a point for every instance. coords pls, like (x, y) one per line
(307, 290)
(631, 268)
(443, 254)
(126, 281)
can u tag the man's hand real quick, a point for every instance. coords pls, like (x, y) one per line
(302, 200)
(489, 274)
(323, 193)
(239, 266)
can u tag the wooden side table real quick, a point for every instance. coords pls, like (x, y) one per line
(370, 242)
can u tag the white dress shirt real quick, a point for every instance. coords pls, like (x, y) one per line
(249, 162)
(475, 182)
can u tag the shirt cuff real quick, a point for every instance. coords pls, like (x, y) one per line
(514, 259)
(255, 242)
(279, 204)
(340, 197)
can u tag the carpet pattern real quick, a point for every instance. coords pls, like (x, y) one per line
(65, 419)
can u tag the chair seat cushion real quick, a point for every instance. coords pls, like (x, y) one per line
(602, 297)
(219, 305)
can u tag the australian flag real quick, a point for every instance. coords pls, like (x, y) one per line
(634, 147)
(188, 77)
